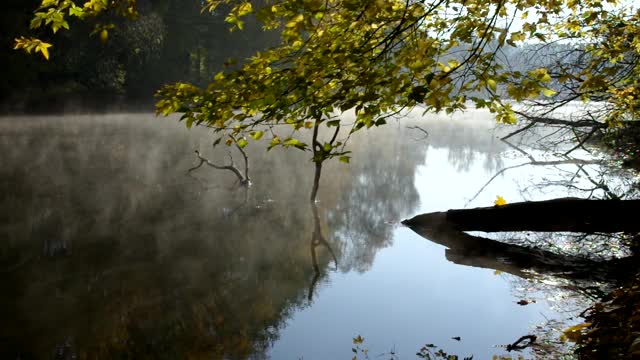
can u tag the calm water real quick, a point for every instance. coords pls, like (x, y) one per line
(109, 250)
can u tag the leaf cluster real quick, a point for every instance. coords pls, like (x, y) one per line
(55, 15)
(376, 58)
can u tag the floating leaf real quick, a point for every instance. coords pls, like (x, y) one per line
(573, 333)
(500, 201)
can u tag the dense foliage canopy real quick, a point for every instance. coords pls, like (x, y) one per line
(382, 57)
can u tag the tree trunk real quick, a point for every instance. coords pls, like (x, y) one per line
(565, 214)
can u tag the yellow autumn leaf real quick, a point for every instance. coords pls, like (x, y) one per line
(546, 77)
(32, 44)
(44, 49)
(500, 201)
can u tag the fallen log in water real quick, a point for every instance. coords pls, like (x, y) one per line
(447, 229)
(565, 214)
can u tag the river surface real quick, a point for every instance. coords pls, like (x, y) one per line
(108, 249)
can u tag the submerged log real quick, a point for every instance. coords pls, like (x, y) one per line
(565, 214)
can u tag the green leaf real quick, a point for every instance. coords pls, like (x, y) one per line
(274, 142)
(36, 22)
(257, 135)
(345, 159)
(295, 143)
(242, 142)
(76, 11)
(234, 20)
(492, 84)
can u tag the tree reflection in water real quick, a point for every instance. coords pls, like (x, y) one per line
(318, 239)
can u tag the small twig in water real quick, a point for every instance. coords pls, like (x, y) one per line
(516, 344)
(425, 132)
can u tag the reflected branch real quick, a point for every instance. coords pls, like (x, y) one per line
(244, 202)
(518, 345)
(425, 132)
(534, 162)
(516, 132)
